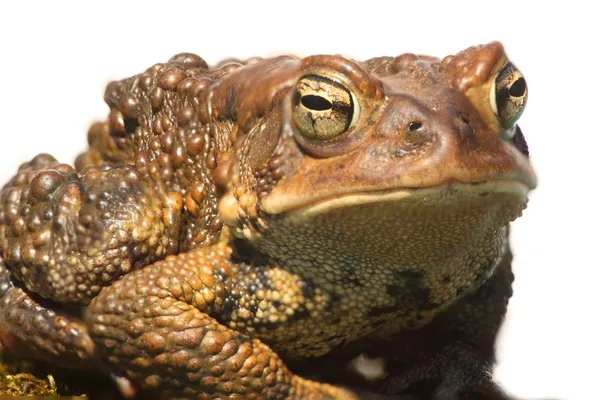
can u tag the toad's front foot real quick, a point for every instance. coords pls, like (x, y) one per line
(159, 327)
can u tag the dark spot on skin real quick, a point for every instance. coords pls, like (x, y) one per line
(409, 275)
(421, 297)
(380, 311)
(308, 288)
(253, 309)
(335, 297)
(394, 290)
(251, 289)
(228, 305)
(262, 281)
(350, 281)
(348, 271)
(483, 274)
(410, 291)
(219, 276)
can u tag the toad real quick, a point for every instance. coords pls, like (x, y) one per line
(256, 229)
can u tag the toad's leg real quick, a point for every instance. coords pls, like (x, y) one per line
(63, 236)
(30, 329)
(453, 357)
(174, 328)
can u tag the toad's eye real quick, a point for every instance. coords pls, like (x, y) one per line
(509, 95)
(323, 109)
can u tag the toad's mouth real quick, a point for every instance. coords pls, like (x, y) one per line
(511, 193)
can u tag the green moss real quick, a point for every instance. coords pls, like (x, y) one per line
(25, 384)
(17, 379)
(24, 378)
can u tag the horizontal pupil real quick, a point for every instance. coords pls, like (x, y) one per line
(316, 103)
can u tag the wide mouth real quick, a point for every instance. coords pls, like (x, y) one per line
(452, 192)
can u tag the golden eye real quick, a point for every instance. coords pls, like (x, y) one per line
(322, 108)
(509, 95)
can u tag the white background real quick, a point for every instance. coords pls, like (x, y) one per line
(56, 60)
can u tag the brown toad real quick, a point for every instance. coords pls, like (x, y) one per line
(250, 230)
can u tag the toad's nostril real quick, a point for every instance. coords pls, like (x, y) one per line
(466, 128)
(415, 126)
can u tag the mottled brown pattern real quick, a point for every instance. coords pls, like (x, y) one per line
(252, 229)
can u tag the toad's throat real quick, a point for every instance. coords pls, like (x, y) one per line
(449, 234)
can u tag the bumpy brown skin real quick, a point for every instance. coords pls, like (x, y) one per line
(247, 230)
